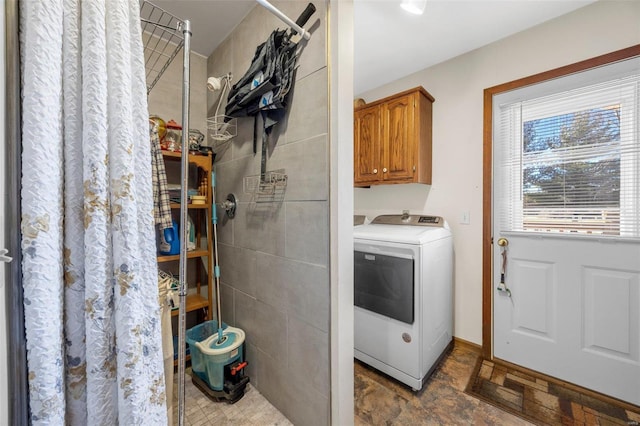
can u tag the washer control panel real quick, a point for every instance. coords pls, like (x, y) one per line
(404, 219)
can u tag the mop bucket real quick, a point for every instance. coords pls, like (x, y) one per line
(209, 356)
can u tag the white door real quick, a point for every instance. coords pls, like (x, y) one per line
(573, 312)
(566, 187)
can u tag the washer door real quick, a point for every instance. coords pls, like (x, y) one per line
(385, 285)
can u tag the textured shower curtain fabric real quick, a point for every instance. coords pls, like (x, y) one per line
(92, 318)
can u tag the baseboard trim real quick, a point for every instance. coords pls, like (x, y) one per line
(467, 344)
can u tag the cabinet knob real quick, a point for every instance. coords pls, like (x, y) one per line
(375, 171)
(384, 170)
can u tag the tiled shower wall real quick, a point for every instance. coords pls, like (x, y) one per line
(165, 99)
(274, 255)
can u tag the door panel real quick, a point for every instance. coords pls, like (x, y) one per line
(610, 303)
(367, 145)
(535, 289)
(399, 131)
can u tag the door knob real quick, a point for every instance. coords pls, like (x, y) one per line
(384, 170)
(375, 171)
(503, 242)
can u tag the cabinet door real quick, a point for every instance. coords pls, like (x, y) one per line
(367, 147)
(399, 149)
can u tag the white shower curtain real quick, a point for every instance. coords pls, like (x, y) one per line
(89, 270)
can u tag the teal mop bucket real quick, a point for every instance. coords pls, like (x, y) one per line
(209, 354)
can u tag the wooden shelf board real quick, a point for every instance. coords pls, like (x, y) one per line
(190, 206)
(190, 255)
(194, 302)
(203, 161)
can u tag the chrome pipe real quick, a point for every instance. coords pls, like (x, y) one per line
(18, 386)
(184, 236)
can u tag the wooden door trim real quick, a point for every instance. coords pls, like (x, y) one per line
(487, 158)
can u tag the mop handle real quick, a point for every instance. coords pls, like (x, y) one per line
(214, 209)
(216, 267)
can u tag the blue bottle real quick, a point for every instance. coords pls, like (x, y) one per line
(170, 241)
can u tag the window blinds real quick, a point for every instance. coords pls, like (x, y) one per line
(569, 162)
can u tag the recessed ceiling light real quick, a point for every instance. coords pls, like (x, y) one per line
(414, 6)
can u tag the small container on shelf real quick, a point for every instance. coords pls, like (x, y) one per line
(169, 241)
(196, 138)
(162, 126)
(173, 138)
(198, 199)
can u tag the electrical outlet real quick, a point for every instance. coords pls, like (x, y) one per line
(465, 217)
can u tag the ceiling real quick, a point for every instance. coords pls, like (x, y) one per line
(390, 43)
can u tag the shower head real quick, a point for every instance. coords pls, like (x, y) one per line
(215, 83)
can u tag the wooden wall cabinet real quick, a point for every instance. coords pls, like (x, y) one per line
(392, 139)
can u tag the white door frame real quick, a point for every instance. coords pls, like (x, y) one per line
(341, 208)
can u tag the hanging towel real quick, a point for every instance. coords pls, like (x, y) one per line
(161, 202)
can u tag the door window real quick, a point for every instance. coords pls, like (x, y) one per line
(573, 161)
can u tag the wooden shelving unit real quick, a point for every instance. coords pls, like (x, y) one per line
(202, 255)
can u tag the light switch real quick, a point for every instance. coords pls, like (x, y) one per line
(465, 217)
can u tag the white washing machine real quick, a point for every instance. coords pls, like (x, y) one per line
(403, 295)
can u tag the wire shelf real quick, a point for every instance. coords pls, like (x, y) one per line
(273, 182)
(221, 128)
(162, 38)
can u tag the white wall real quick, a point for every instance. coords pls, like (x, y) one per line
(457, 86)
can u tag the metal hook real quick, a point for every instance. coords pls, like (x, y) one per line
(3, 257)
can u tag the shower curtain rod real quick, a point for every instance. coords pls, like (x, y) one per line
(271, 8)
